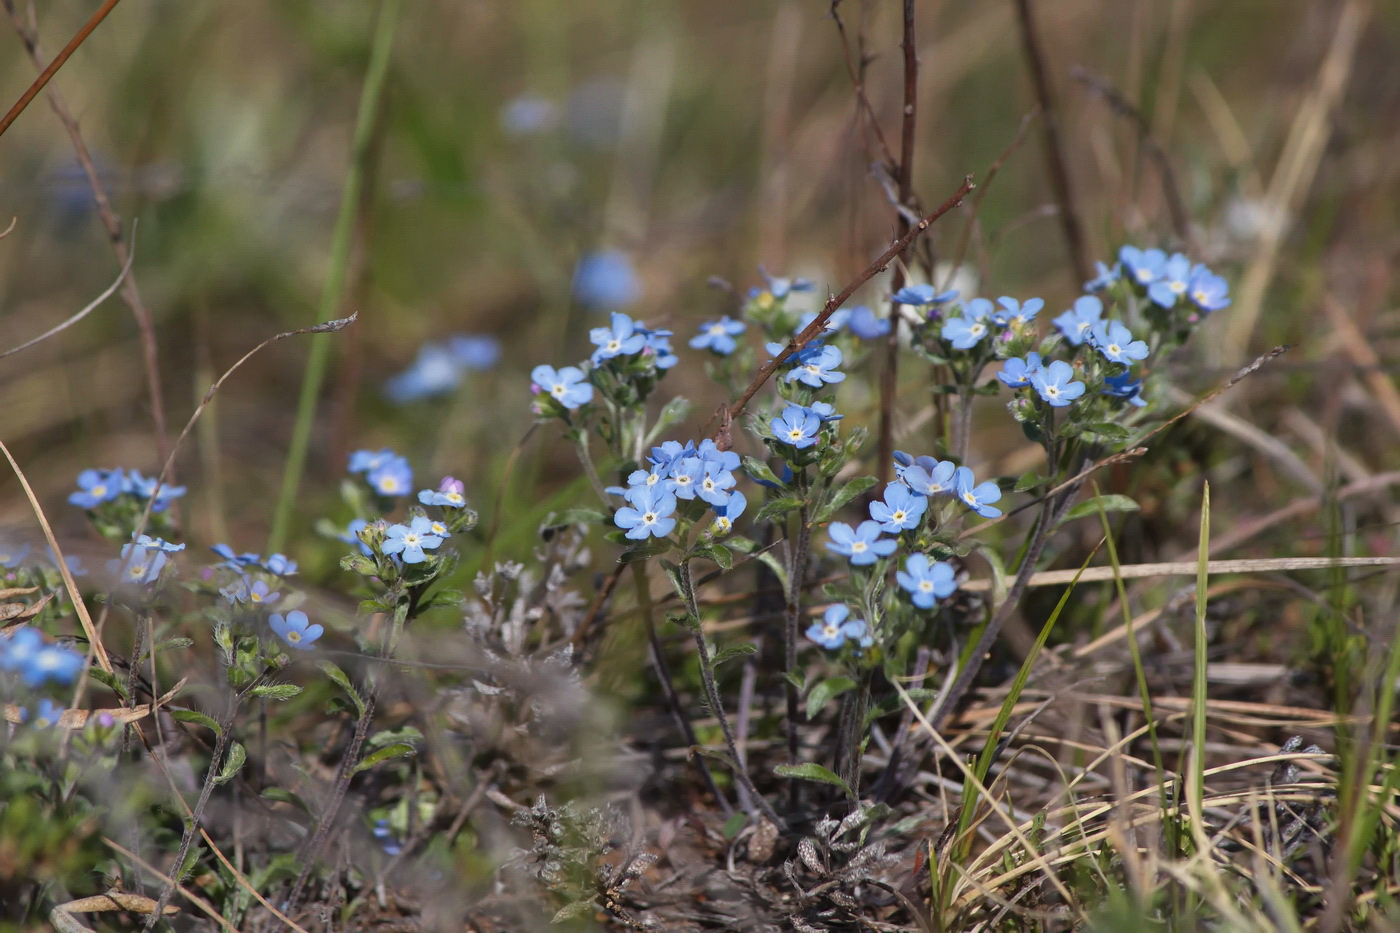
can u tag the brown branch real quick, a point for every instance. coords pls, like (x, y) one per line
(1054, 146)
(813, 329)
(45, 74)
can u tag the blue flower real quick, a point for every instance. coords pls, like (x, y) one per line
(1075, 324)
(13, 556)
(967, 331)
(836, 626)
(619, 339)
(727, 459)
(385, 835)
(280, 564)
(295, 629)
(658, 344)
(862, 544)
(528, 114)
(1017, 372)
(150, 487)
(1125, 386)
(977, 498)
(1116, 342)
(138, 564)
(926, 581)
(475, 351)
(718, 336)
(246, 591)
(412, 540)
(816, 366)
(236, 562)
(921, 295)
(781, 288)
(46, 715)
(714, 483)
(158, 544)
(52, 664)
(797, 426)
(649, 515)
(684, 476)
(834, 322)
(392, 477)
(434, 372)
(1171, 284)
(352, 536)
(1105, 278)
(826, 411)
(96, 487)
(866, 325)
(901, 509)
(1056, 384)
(605, 280)
(450, 494)
(1208, 291)
(1014, 314)
(1145, 266)
(365, 461)
(19, 649)
(725, 514)
(566, 386)
(930, 477)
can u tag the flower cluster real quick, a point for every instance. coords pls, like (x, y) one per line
(676, 474)
(1169, 279)
(37, 662)
(440, 368)
(387, 472)
(142, 560)
(96, 487)
(628, 360)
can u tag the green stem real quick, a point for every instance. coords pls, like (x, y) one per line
(333, 290)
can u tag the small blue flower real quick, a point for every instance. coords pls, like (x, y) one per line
(658, 346)
(921, 295)
(18, 649)
(836, 626)
(1145, 266)
(797, 426)
(295, 629)
(977, 498)
(781, 288)
(96, 487)
(280, 564)
(866, 325)
(150, 487)
(435, 371)
(52, 664)
(967, 331)
(1076, 323)
(233, 561)
(929, 477)
(926, 581)
(1171, 284)
(566, 386)
(1208, 291)
(1125, 386)
(718, 336)
(138, 564)
(816, 366)
(715, 483)
(475, 351)
(725, 514)
(158, 544)
(901, 510)
(352, 536)
(835, 321)
(826, 411)
(364, 461)
(1056, 384)
(683, 479)
(393, 477)
(255, 592)
(863, 545)
(619, 339)
(1014, 314)
(1105, 278)
(13, 556)
(606, 280)
(45, 716)
(710, 453)
(412, 540)
(650, 514)
(1116, 342)
(1017, 372)
(450, 494)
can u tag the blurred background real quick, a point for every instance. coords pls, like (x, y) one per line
(662, 145)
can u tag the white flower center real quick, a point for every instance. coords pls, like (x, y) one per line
(410, 540)
(977, 330)
(723, 525)
(649, 518)
(99, 490)
(614, 345)
(898, 516)
(1053, 391)
(558, 390)
(859, 547)
(795, 434)
(716, 330)
(1144, 275)
(293, 636)
(926, 586)
(1114, 349)
(1178, 286)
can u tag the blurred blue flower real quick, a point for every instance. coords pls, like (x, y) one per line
(385, 835)
(50, 663)
(138, 564)
(650, 514)
(475, 351)
(718, 336)
(658, 344)
(977, 498)
(1145, 266)
(780, 287)
(1106, 277)
(450, 494)
(1017, 372)
(1125, 386)
(863, 544)
(620, 338)
(900, 510)
(921, 295)
(434, 372)
(352, 536)
(392, 477)
(295, 629)
(837, 626)
(1208, 291)
(926, 581)
(280, 564)
(1116, 342)
(96, 487)
(1013, 313)
(835, 321)
(45, 716)
(866, 325)
(235, 562)
(1056, 384)
(1171, 284)
(412, 540)
(365, 461)
(148, 487)
(255, 592)
(797, 426)
(13, 556)
(528, 114)
(605, 280)
(567, 386)
(1076, 323)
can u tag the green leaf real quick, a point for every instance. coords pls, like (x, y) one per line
(574, 517)
(1108, 429)
(735, 824)
(844, 495)
(358, 563)
(732, 652)
(1110, 503)
(232, 764)
(397, 750)
(717, 553)
(741, 544)
(189, 715)
(642, 552)
(775, 508)
(282, 795)
(810, 771)
(760, 470)
(824, 690)
(173, 643)
(276, 691)
(1029, 480)
(110, 681)
(343, 682)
